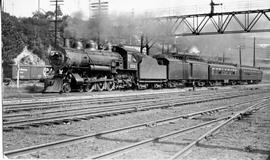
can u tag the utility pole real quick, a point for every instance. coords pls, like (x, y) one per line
(254, 52)
(89, 9)
(99, 19)
(38, 6)
(57, 8)
(12, 8)
(240, 55)
(223, 57)
(55, 23)
(18, 74)
(3, 6)
(130, 25)
(99, 9)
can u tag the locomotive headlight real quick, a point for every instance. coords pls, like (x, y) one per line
(56, 59)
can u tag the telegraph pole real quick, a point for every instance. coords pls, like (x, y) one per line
(99, 8)
(57, 8)
(99, 19)
(240, 55)
(254, 52)
(223, 57)
(12, 7)
(38, 6)
(55, 23)
(3, 6)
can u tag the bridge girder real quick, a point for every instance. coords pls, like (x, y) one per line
(196, 23)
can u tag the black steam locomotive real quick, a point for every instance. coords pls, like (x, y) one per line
(85, 68)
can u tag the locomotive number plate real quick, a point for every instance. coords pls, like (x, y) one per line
(132, 66)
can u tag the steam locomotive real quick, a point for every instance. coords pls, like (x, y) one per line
(84, 68)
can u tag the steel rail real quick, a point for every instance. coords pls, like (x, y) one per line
(98, 107)
(48, 104)
(87, 97)
(32, 98)
(126, 148)
(91, 114)
(85, 137)
(74, 95)
(116, 102)
(107, 105)
(51, 105)
(239, 114)
(119, 150)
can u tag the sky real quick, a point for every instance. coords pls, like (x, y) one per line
(25, 8)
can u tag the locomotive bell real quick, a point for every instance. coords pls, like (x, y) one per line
(91, 45)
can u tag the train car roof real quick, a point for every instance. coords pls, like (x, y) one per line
(222, 65)
(249, 67)
(167, 57)
(195, 61)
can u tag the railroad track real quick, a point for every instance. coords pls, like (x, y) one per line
(55, 96)
(45, 97)
(226, 120)
(111, 110)
(68, 97)
(67, 107)
(50, 104)
(82, 96)
(260, 102)
(86, 101)
(138, 104)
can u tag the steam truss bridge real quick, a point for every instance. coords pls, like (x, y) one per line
(220, 23)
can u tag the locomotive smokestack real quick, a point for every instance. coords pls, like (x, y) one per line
(67, 43)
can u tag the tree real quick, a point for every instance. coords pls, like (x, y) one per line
(36, 33)
(33, 32)
(154, 32)
(12, 41)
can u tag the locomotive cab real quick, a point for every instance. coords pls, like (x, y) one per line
(130, 57)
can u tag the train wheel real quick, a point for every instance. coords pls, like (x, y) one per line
(201, 83)
(66, 88)
(90, 88)
(100, 86)
(157, 86)
(211, 84)
(110, 86)
(233, 83)
(86, 88)
(81, 89)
